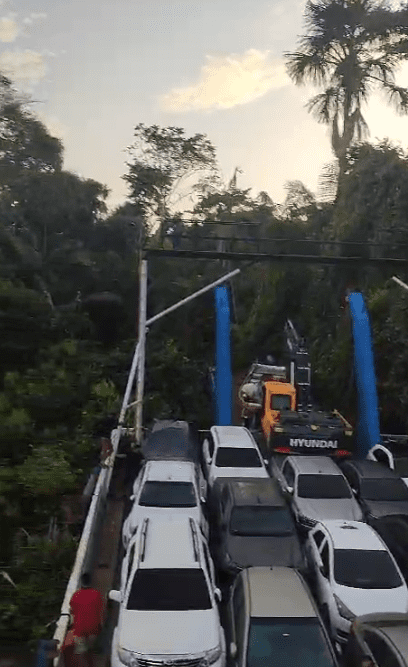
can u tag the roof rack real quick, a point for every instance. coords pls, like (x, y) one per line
(195, 539)
(143, 538)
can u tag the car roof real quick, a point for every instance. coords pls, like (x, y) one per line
(315, 465)
(256, 491)
(233, 436)
(170, 471)
(169, 543)
(353, 535)
(278, 591)
(372, 469)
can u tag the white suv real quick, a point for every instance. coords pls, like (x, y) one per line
(355, 574)
(164, 487)
(168, 610)
(231, 451)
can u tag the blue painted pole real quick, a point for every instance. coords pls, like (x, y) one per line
(368, 427)
(223, 375)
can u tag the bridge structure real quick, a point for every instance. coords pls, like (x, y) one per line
(99, 549)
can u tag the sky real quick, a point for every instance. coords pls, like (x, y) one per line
(97, 68)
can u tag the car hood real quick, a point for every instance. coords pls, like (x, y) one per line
(330, 508)
(383, 508)
(169, 632)
(252, 551)
(370, 601)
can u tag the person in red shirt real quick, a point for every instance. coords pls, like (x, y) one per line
(87, 611)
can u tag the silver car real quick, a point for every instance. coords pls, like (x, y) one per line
(318, 490)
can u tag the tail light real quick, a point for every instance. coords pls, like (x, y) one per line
(342, 453)
(282, 450)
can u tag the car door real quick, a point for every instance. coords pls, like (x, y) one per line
(323, 584)
(313, 543)
(238, 624)
(208, 456)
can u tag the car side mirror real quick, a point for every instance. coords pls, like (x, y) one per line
(289, 489)
(132, 497)
(266, 462)
(202, 500)
(218, 594)
(233, 650)
(115, 596)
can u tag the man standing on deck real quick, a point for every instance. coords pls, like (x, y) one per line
(87, 611)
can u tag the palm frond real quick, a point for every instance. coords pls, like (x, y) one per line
(304, 67)
(398, 97)
(325, 105)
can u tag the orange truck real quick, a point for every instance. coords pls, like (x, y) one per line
(281, 411)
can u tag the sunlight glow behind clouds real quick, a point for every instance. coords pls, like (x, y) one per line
(23, 65)
(8, 30)
(227, 81)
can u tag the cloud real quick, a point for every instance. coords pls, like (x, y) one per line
(34, 17)
(230, 80)
(8, 29)
(23, 65)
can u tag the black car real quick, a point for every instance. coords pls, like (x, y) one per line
(379, 490)
(394, 531)
(378, 639)
(252, 525)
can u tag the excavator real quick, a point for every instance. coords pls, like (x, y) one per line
(277, 406)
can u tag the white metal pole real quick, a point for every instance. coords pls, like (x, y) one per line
(142, 346)
(397, 280)
(129, 386)
(192, 296)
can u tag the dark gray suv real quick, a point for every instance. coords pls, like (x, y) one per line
(252, 525)
(379, 490)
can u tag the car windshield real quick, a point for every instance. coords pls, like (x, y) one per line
(237, 457)
(386, 489)
(359, 568)
(267, 521)
(169, 590)
(323, 486)
(283, 642)
(168, 494)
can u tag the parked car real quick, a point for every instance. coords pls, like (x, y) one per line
(231, 451)
(393, 530)
(382, 637)
(317, 488)
(168, 611)
(172, 440)
(252, 525)
(379, 490)
(272, 619)
(165, 487)
(354, 574)
(393, 453)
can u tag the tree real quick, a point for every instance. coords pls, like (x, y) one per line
(25, 143)
(351, 48)
(163, 160)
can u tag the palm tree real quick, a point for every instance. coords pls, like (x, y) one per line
(351, 48)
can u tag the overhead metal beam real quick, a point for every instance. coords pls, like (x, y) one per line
(277, 257)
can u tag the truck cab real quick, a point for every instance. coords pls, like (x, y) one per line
(278, 397)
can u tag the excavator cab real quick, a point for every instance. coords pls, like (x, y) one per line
(278, 397)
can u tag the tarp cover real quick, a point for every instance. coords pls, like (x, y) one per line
(171, 440)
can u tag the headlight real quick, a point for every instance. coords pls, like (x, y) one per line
(343, 610)
(213, 655)
(127, 657)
